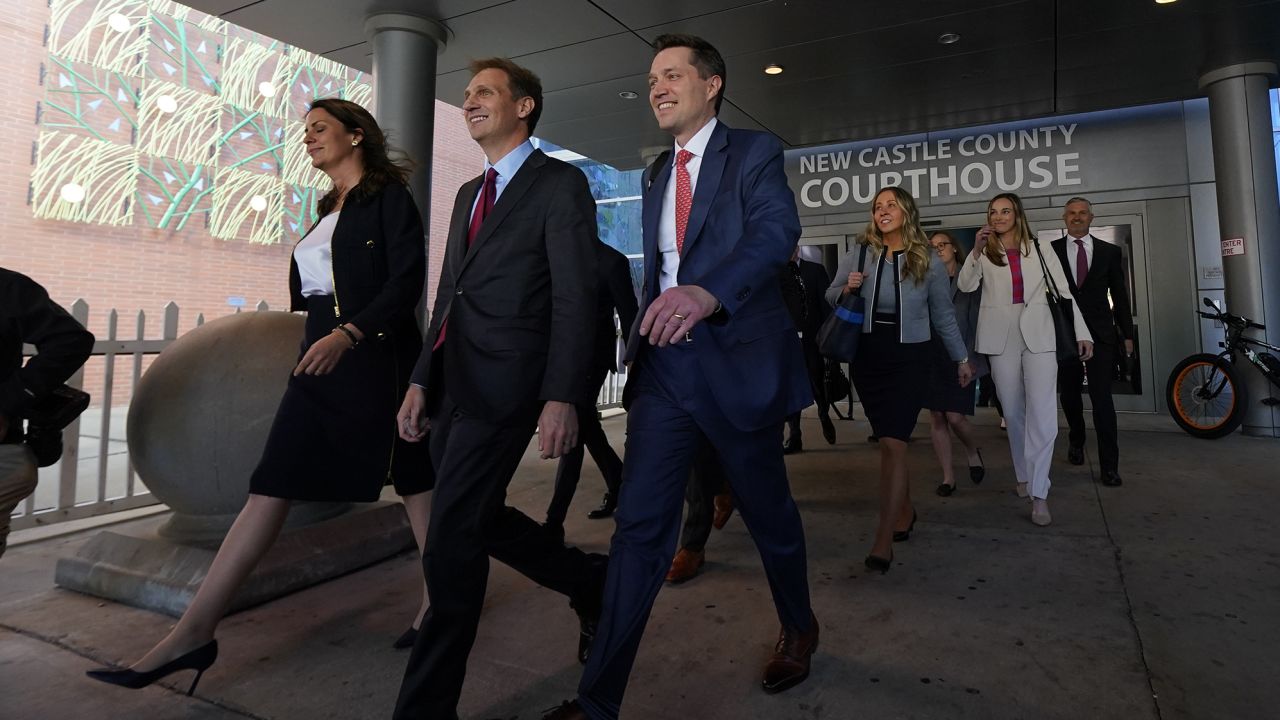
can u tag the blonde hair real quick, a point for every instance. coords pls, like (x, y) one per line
(994, 249)
(914, 241)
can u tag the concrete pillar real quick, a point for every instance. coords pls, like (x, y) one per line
(404, 71)
(1248, 207)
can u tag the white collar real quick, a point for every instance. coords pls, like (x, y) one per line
(698, 143)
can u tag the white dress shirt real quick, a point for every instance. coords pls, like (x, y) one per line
(507, 167)
(314, 255)
(667, 219)
(1073, 250)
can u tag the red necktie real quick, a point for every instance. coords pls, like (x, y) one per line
(684, 197)
(1082, 262)
(488, 194)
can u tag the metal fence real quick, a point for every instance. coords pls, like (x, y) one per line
(95, 475)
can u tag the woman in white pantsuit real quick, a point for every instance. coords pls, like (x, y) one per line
(1015, 328)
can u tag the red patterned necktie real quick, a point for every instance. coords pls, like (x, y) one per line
(488, 194)
(1082, 262)
(684, 197)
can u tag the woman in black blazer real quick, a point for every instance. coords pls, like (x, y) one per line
(359, 274)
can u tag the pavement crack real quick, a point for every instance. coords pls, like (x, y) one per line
(1128, 603)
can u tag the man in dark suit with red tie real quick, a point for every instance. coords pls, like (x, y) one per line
(1097, 278)
(507, 351)
(716, 360)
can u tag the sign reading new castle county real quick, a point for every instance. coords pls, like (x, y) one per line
(1112, 150)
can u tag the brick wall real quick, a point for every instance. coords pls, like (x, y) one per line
(138, 267)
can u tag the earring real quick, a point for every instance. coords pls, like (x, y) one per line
(355, 143)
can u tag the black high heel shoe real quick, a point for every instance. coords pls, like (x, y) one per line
(978, 472)
(875, 562)
(199, 660)
(406, 639)
(905, 535)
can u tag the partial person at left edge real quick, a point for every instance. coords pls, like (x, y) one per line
(359, 273)
(27, 315)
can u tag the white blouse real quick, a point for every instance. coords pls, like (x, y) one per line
(314, 255)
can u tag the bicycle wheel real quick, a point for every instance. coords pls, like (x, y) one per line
(1205, 396)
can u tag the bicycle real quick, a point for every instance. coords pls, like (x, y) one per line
(1205, 393)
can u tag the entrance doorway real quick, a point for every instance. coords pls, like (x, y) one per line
(1133, 388)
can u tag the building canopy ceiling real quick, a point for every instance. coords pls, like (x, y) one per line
(853, 69)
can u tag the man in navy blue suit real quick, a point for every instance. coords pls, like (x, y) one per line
(716, 359)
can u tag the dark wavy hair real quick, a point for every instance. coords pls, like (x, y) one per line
(380, 168)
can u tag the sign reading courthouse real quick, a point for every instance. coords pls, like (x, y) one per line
(1123, 149)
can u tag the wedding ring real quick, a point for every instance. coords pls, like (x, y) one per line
(677, 315)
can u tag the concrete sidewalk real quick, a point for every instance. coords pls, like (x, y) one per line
(1159, 599)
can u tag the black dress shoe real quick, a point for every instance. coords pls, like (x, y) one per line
(607, 506)
(905, 535)
(406, 639)
(199, 660)
(568, 710)
(979, 471)
(792, 445)
(875, 562)
(945, 489)
(828, 429)
(1111, 478)
(1075, 454)
(555, 532)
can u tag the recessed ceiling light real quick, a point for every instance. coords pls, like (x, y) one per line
(258, 203)
(1165, 2)
(266, 89)
(773, 69)
(166, 104)
(948, 38)
(627, 95)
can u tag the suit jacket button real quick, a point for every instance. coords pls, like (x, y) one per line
(458, 291)
(369, 243)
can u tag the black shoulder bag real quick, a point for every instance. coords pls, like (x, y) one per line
(1064, 329)
(839, 335)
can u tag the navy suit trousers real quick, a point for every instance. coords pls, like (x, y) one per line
(671, 414)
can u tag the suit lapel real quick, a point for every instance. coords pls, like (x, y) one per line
(459, 223)
(709, 174)
(515, 189)
(653, 197)
(1061, 248)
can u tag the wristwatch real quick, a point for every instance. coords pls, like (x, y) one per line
(963, 360)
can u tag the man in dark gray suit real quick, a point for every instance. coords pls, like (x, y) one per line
(1094, 269)
(507, 351)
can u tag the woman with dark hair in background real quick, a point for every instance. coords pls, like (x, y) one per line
(359, 274)
(1015, 331)
(907, 293)
(949, 404)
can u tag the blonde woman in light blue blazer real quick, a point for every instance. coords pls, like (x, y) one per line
(1015, 329)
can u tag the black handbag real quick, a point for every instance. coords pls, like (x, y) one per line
(46, 419)
(1064, 329)
(56, 409)
(834, 382)
(839, 335)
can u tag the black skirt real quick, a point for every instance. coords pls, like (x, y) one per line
(945, 393)
(891, 379)
(334, 436)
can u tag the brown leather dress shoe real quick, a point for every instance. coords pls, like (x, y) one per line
(789, 665)
(686, 565)
(724, 509)
(568, 710)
